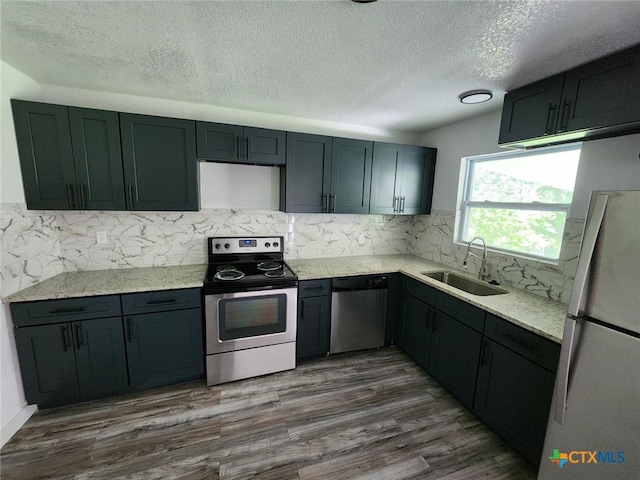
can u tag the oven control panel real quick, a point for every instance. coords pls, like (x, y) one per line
(226, 245)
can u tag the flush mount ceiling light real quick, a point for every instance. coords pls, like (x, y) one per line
(363, 1)
(475, 96)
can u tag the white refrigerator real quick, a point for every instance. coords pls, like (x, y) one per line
(593, 429)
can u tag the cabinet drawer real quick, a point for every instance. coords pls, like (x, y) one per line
(462, 311)
(314, 288)
(64, 310)
(420, 290)
(540, 350)
(149, 302)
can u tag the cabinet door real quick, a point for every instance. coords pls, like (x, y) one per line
(531, 111)
(416, 180)
(414, 329)
(100, 357)
(46, 157)
(387, 158)
(218, 141)
(160, 166)
(513, 396)
(164, 348)
(266, 147)
(350, 176)
(308, 173)
(47, 364)
(602, 93)
(454, 357)
(313, 327)
(95, 135)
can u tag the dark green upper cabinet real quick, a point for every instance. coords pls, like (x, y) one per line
(350, 176)
(70, 157)
(595, 100)
(326, 175)
(160, 165)
(306, 181)
(531, 111)
(238, 144)
(402, 179)
(95, 136)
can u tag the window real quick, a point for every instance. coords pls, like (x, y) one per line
(518, 202)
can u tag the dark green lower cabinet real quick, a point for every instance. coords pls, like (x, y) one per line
(164, 348)
(314, 318)
(313, 327)
(454, 357)
(414, 329)
(513, 397)
(71, 362)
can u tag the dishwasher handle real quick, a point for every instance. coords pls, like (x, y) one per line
(362, 282)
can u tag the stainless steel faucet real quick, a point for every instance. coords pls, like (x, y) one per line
(482, 274)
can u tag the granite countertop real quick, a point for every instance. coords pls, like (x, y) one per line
(112, 282)
(537, 314)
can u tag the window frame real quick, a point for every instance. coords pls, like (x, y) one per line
(464, 192)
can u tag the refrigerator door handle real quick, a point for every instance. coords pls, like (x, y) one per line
(562, 377)
(586, 253)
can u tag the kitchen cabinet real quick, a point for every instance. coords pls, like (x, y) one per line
(454, 356)
(326, 175)
(594, 100)
(350, 176)
(66, 356)
(164, 337)
(306, 180)
(314, 318)
(402, 179)
(160, 165)
(415, 321)
(70, 157)
(515, 385)
(238, 144)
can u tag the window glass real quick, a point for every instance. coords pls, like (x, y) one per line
(518, 202)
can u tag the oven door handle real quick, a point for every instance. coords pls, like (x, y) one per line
(258, 289)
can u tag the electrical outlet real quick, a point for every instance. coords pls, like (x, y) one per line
(101, 236)
(361, 239)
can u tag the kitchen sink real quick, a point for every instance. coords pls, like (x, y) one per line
(474, 287)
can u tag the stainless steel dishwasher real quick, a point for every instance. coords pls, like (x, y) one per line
(358, 312)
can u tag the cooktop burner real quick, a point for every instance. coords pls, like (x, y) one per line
(241, 263)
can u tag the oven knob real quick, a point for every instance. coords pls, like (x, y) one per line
(217, 246)
(275, 244)
(226, 245)
(267, 245)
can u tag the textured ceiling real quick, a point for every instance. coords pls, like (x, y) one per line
(391, 64)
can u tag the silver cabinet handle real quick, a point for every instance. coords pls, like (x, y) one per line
(65, 338)
(325, 202)
(83, 197)
(564, 116)
(130, 194)
(70, 196)
(552, 109)
(79, 340)
(402, 199)
(395, 203)
(246, 152)
(332, 208)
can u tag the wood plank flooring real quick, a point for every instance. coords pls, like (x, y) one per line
(370, 415)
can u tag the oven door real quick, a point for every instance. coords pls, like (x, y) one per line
(242, 320)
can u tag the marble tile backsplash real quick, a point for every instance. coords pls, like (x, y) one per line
(39, 244)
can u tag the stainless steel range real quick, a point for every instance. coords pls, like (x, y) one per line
(250, 304)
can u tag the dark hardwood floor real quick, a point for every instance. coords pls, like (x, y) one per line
(370, 415)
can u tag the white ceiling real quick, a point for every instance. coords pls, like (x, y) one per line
(391, 64)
